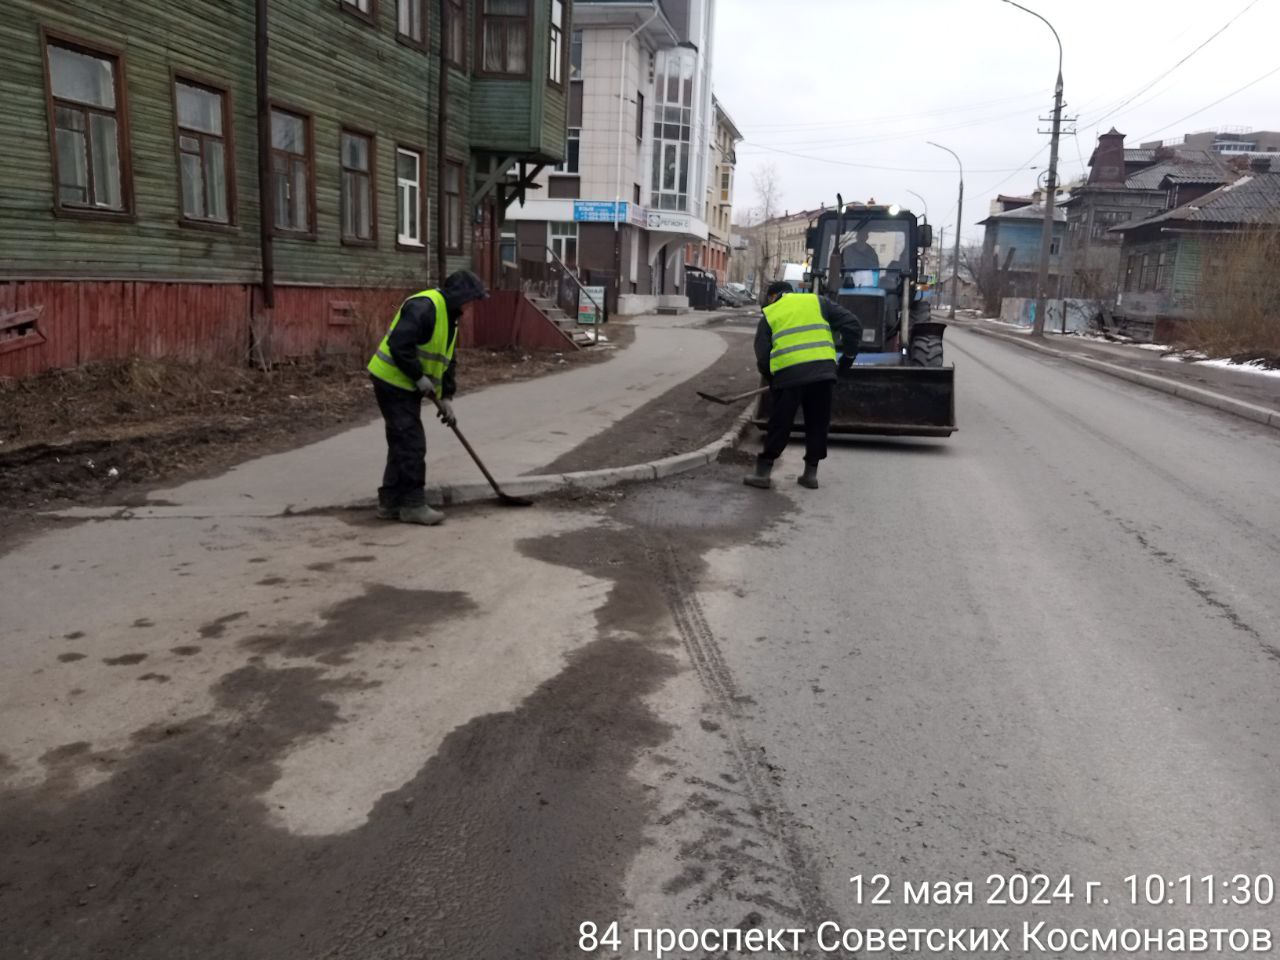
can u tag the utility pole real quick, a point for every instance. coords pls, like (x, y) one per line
(1051, 189)
(955, 266)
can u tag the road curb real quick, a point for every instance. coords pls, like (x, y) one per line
(540, 485)
(448, 495)
(1208, 398)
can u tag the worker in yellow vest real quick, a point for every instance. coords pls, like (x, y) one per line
(415, 360)
(796, 353)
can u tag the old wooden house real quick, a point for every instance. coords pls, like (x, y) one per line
(1165, 259)
(227, 180)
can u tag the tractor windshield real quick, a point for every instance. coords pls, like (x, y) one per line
(867, 244)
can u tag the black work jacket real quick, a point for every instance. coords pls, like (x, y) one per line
(848, 335)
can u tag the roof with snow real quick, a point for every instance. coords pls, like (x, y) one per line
(1033, 212)
(1253, 198)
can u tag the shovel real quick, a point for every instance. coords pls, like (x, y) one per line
(504, 498)
(725, 401)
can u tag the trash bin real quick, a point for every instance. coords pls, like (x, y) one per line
(700, 287)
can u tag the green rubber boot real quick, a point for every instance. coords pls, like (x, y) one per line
(809, 478)
(423, 515)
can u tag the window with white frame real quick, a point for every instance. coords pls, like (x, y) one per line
(672, 131)
(555, 46)
(408, 197)
(563, 241)
(575, 55)
(572, 151)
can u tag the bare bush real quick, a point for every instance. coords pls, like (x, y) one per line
(1238, 310)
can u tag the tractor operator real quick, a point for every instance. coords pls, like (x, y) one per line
(860, 255)
(796, 353)
(416, 360)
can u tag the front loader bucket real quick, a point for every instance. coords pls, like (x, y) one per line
(889, 401)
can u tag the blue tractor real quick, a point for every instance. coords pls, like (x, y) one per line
(867, 258)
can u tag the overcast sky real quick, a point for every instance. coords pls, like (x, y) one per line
(862, 84)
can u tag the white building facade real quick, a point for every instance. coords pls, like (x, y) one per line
(629, 207)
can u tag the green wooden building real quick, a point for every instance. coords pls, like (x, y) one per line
(236, 179)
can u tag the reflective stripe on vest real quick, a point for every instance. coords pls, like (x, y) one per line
(435, 355)
(800, 334)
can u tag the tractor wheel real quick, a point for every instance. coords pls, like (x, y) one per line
(926, 351)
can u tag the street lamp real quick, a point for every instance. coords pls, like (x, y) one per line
(1051, 188)
(955, 266)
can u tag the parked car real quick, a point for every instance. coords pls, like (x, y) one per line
(743, 292)
(730, 298)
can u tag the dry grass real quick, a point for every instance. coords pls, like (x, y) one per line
(1239, 311)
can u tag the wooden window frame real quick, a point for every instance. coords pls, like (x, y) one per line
(48, 38)
(407, 39)
(371, 175)
(552, 29)
(310, 123)
(482, 18)
(455, 9)
(177, 76)
(423, 226)
(351, 8)
(462, 206)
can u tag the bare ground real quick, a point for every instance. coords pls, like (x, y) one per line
(108, 432)
(676, 422)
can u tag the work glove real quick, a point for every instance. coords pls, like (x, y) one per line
(444, 410)
(426, 386)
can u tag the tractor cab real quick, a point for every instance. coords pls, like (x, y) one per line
(866, 257)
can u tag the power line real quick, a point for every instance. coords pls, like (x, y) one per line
(924, 114)
(907, 135)
(1014, 172)
(1194, 113)
(1208, 40)
(863, 166)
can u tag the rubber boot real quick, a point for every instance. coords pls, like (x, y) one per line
(423, 515)
(760, 479)
(810, 476)
(387, 511)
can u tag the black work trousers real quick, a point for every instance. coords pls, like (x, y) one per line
(404, 481)
(815, 400)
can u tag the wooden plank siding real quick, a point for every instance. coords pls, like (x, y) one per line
(151, 286)
(211, 37)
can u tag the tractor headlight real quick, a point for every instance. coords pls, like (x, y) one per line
(894, 210)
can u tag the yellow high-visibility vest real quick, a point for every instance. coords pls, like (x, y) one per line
(800, 334)
(436, 354)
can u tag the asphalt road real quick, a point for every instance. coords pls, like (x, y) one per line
(1048, 645)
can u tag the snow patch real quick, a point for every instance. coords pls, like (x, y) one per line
(1253, 366)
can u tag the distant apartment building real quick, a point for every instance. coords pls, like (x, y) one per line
(146, 211)
(634, 197)
(714, 254)
(1227, 142)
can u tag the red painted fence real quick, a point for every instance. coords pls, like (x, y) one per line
(61, 324)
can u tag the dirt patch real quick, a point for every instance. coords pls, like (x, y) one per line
(108, 432)
(678, 421)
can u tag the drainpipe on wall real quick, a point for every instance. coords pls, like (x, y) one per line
(266, 200)
(442, 122)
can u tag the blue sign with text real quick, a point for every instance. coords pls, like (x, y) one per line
(599, 211)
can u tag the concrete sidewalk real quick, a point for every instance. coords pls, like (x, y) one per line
(1247, 394)
(517, 428)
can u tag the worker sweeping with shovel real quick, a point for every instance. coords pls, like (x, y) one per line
(796, 353)
(415, 361)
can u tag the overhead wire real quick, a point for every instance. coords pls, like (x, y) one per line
(1210, 106)
(864, 166)
(1115, 108)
